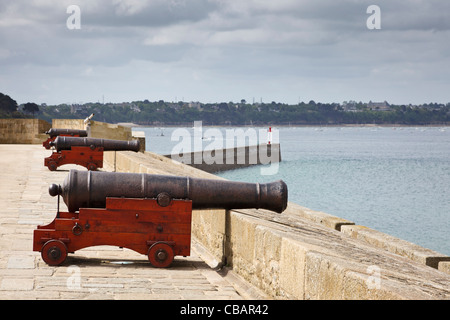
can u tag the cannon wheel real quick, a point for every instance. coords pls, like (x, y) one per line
(54, 252)
(92, 166)
(52, 166)
(160, 255)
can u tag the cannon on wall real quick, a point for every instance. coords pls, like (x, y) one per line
(53, 133)
(150, 214)
(87, 152)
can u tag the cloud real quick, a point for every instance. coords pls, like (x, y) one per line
(284, 49)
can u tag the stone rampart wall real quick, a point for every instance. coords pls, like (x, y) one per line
(23, 131)
(97, 129)
(301, 253)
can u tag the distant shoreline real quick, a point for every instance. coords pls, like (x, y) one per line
(369, 125)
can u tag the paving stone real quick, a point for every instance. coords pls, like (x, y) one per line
(21, 262)
(16, 284)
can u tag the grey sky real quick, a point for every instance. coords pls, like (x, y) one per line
(225, 50)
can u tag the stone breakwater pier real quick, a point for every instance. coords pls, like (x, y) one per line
(236, 254)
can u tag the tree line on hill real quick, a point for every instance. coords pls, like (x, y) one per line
(9, 108)
(231, 113)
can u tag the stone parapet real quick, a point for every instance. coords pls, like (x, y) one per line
(23, 131)
(32, 131)
(299, 254)
(97, 129)
(395, 245)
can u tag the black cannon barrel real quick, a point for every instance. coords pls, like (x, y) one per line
(66, 143)
(89, 189)
(54, 132)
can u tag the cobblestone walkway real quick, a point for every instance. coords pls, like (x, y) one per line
(92, 273)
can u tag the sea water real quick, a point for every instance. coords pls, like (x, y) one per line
(392, 179)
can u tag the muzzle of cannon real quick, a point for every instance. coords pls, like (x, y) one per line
(150, 214)
(89, 189)
(54, 132)
(66, 143)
